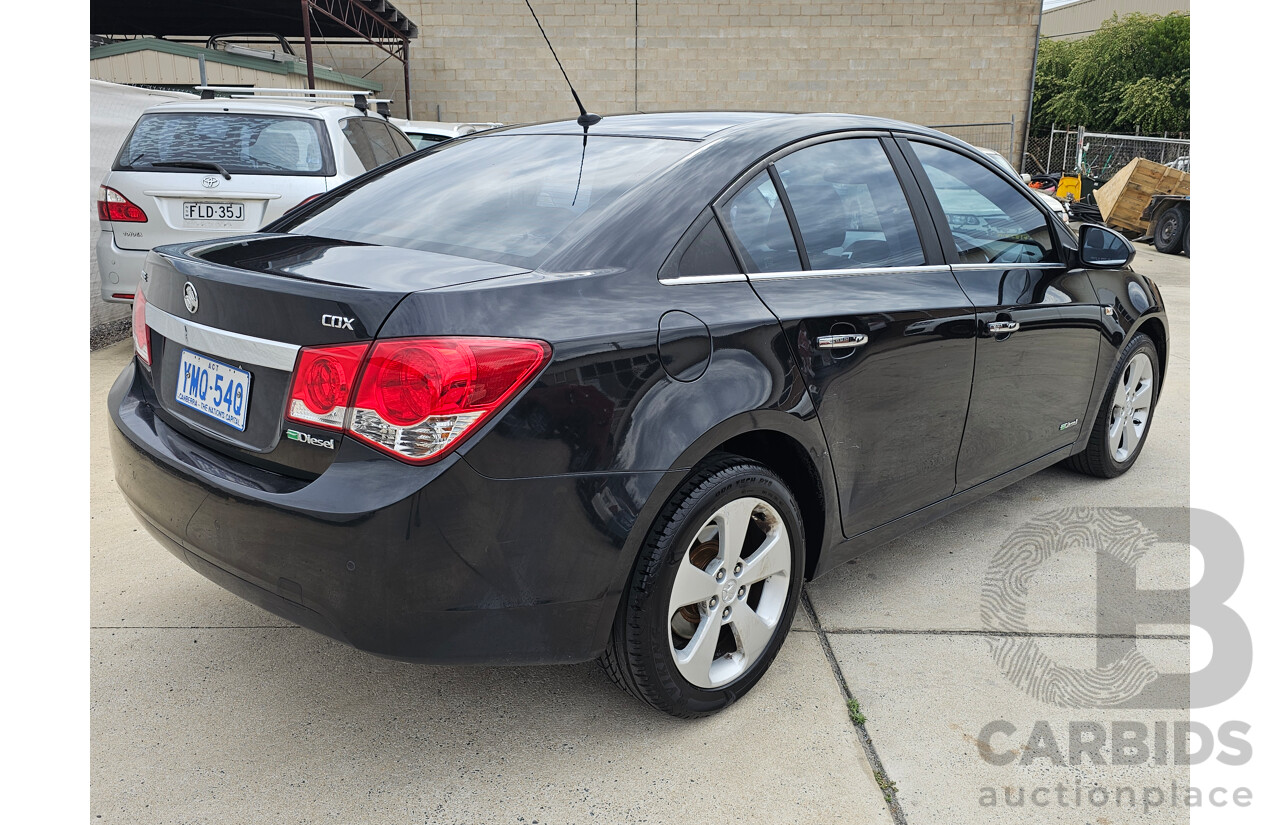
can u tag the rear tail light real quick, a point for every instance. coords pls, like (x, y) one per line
(323, 382)
(141, 335)
(417, 398)
(112, 206)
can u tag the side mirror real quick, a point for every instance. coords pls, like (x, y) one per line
(1103, 248)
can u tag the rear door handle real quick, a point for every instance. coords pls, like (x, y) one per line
(856, 339)
(1003, 327)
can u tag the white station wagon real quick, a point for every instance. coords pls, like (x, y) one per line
(196, 169)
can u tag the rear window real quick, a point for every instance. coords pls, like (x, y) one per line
(512, 199)
(244, 144)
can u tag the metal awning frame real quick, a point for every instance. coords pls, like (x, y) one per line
(366, 20)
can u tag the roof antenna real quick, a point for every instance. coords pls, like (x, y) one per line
(585, 119)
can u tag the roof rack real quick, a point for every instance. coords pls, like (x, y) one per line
(358, 99)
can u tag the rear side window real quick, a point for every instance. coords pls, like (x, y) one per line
(849, 206)
(990, 220)
(402, 144)
(244, 144)
(758, 220)
(512, 199)
(373, 141)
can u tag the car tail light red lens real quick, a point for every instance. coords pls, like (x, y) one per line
(323, 382)
(141, 334)
(112, 206)
(420, 397)
(416, 398)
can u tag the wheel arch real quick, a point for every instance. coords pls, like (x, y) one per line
(1154, 328)
(787, 457)
(796, 450)
(789, 444)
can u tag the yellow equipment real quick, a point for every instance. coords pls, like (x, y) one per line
(1069, 188)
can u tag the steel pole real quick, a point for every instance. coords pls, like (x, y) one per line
(408, 100)
(306, 39)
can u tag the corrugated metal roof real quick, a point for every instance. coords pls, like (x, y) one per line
(173, 18)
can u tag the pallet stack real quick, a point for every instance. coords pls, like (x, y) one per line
(1123, 198)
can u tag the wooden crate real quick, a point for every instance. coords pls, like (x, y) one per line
(1123, 198)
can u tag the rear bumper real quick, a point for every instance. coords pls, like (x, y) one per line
(436, 564)
(119, 270)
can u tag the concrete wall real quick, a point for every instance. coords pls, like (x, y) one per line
(932, 63)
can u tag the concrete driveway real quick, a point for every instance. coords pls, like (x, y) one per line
(206, 709)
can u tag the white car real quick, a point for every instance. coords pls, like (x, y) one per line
(1049, 200)
(196, 169)
(425, 133)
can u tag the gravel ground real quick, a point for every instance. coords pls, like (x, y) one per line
(104, 335)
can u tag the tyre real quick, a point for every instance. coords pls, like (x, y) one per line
(713, 591)
(1124, 418)
(1169, 229)
(1186, 239)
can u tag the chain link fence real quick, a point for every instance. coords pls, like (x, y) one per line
(1100, 155)
(1050, 151)
(998, 136)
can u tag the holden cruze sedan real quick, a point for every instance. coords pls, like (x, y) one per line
(552, 394)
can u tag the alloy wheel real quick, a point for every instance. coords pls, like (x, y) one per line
(1131, 407)
(729, 592)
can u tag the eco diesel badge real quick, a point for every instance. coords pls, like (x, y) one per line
(294, 435)
(189, 298)
(337, 322)
(1066, 425)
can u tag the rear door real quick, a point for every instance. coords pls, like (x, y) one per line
(1039, 325)
(168, 167)
(830, 240)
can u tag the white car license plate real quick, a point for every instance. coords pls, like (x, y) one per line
(213, 388)
(209, 211)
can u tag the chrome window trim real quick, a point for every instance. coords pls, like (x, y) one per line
(1008, 265)
(232, 346)
(702, 279)
(842, 273)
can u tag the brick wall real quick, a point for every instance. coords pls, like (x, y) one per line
(924, 62)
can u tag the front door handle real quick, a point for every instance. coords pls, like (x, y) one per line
(856, 339)
(1003, 327)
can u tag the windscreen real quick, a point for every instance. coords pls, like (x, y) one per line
(245, 144)
(511, 199)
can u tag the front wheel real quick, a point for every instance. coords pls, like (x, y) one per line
(1124, 419)
(713, 592)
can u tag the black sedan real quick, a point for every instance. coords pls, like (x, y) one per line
(547, 394)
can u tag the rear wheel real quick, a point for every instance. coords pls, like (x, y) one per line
(1169, 229)
(713, 591)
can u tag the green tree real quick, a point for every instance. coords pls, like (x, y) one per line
(1132, 75)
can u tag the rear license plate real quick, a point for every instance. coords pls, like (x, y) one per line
(209, 211)
(213, 388)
